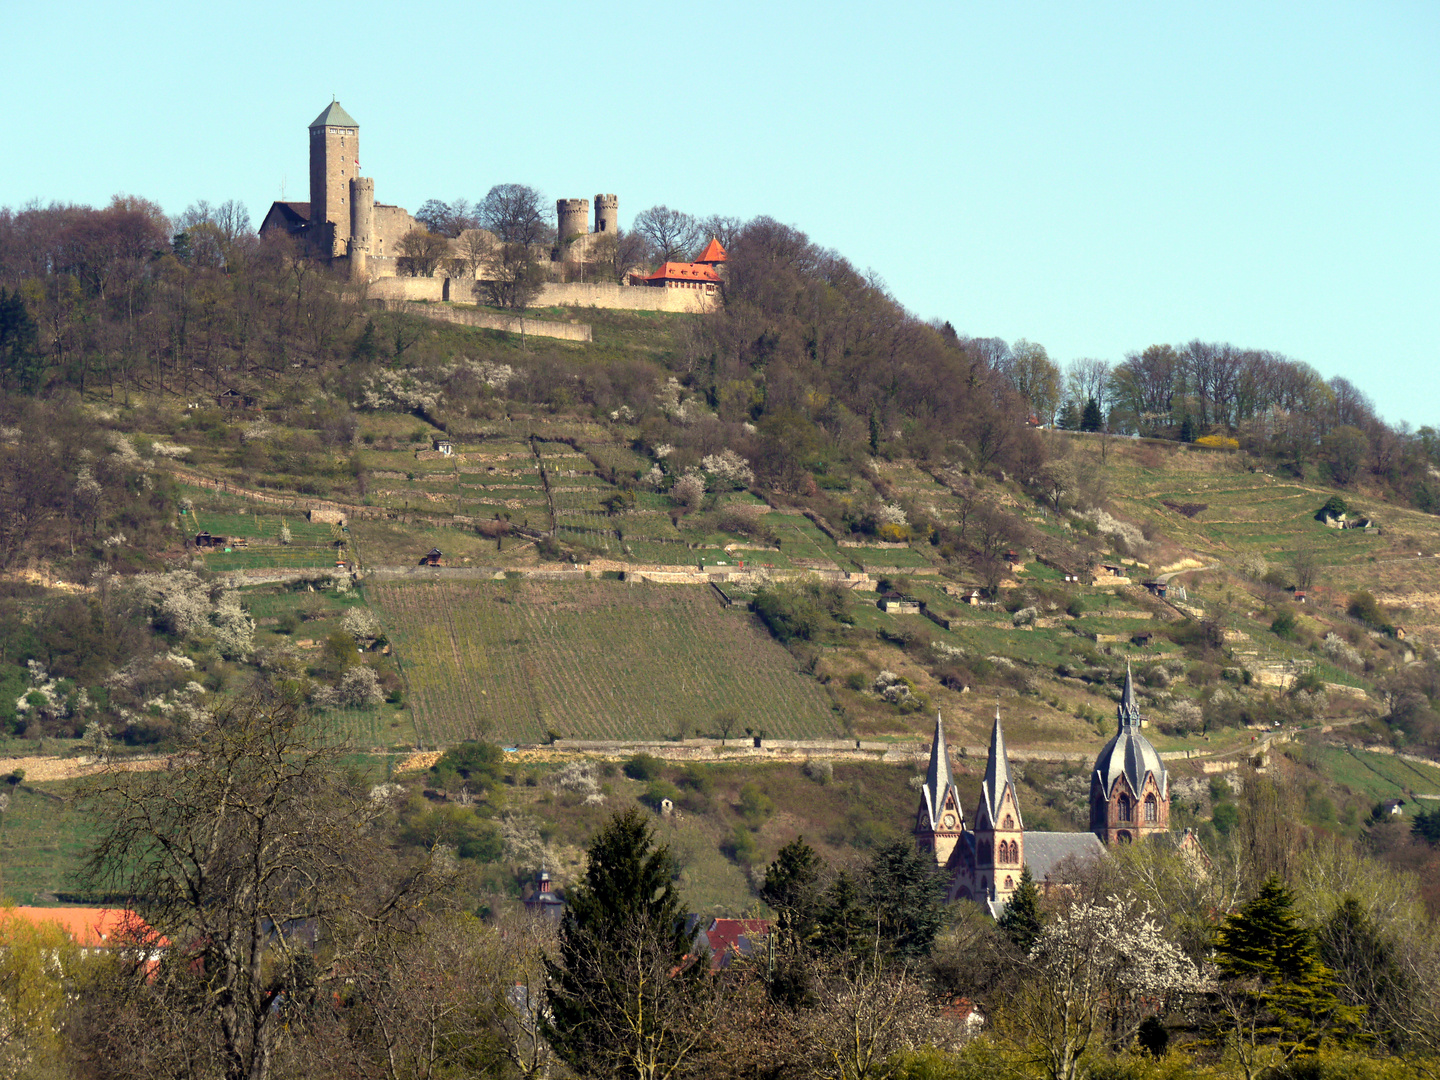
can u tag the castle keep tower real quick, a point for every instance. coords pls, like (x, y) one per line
(334, 161)
(607, 213)
(1129, 789)
(362, 226)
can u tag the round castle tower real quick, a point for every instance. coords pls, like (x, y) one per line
(607, 213)
(362, 226)
(572, 218)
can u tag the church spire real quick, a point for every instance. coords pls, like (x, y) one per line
(937, 777)
(997, 773)
(1128, 714)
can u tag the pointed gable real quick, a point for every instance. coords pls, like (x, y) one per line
(713, 253)
(997, 780)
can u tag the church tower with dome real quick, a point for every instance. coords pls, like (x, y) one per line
(1129, 789)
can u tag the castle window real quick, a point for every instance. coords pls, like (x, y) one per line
(1123, 808)
(1152, 809)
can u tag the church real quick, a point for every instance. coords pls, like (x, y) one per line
(1129, 800)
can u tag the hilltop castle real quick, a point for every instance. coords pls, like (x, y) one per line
(1129, 800)
(343, 224)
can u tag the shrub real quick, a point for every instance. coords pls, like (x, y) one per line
(740, 845)
(755, 806)
(697, 778)
(472, 764)
(1284, 624)
(1367, 609)
(644, 767)
(1218, 442)
(658, 791)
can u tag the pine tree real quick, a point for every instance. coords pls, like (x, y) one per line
(1187, 430)
(1276, 989)
(792, 889)
(1069, 418)
(906, 893)
(1092, 419)
(1022, 919)
(625, 991)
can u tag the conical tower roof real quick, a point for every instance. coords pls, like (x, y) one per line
(713, 252)
(997, 775)
(334, 116)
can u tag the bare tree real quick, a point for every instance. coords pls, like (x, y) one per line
(420, 253)
(672, 234)
(255, 847)
(1089, 380)
(516, 214)
(447, 219)
(722, 228)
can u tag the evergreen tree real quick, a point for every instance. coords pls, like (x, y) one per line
(1366, 966)
(906, 893)
(792, 889)
(1092, 419)
(1426, 826)
(1187, 430)
(624, 992)
(1274, 987)
(1069, 418)
(1022, 919)
(21, 364)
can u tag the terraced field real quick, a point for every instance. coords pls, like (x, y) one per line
(515, 660)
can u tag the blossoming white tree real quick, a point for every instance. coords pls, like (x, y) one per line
(1099, 969)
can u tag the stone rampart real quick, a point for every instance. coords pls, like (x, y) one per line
(467, 316)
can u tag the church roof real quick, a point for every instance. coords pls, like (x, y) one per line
(1129, 753)
(713, 252)
(938, 779)
(1045, 851)
(334, 116)
(997, 775)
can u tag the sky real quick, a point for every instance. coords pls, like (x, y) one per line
(1095, 176)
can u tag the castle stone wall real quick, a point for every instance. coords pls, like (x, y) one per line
(514, 324)
(391, 225)
(625, 297)
(333, 155)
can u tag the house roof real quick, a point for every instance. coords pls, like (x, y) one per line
(713, 252)
(1044, 851)
(290, 216)
(334, 116)
(92, 927)
(678, 271)
(727, 938)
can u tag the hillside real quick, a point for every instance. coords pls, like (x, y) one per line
(807, 518)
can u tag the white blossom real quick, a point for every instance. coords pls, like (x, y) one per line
(729, 465)
(890, 514)
(361, 624)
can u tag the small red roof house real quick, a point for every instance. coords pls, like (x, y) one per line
(713, 253)
(95, 928)
(729, 938)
